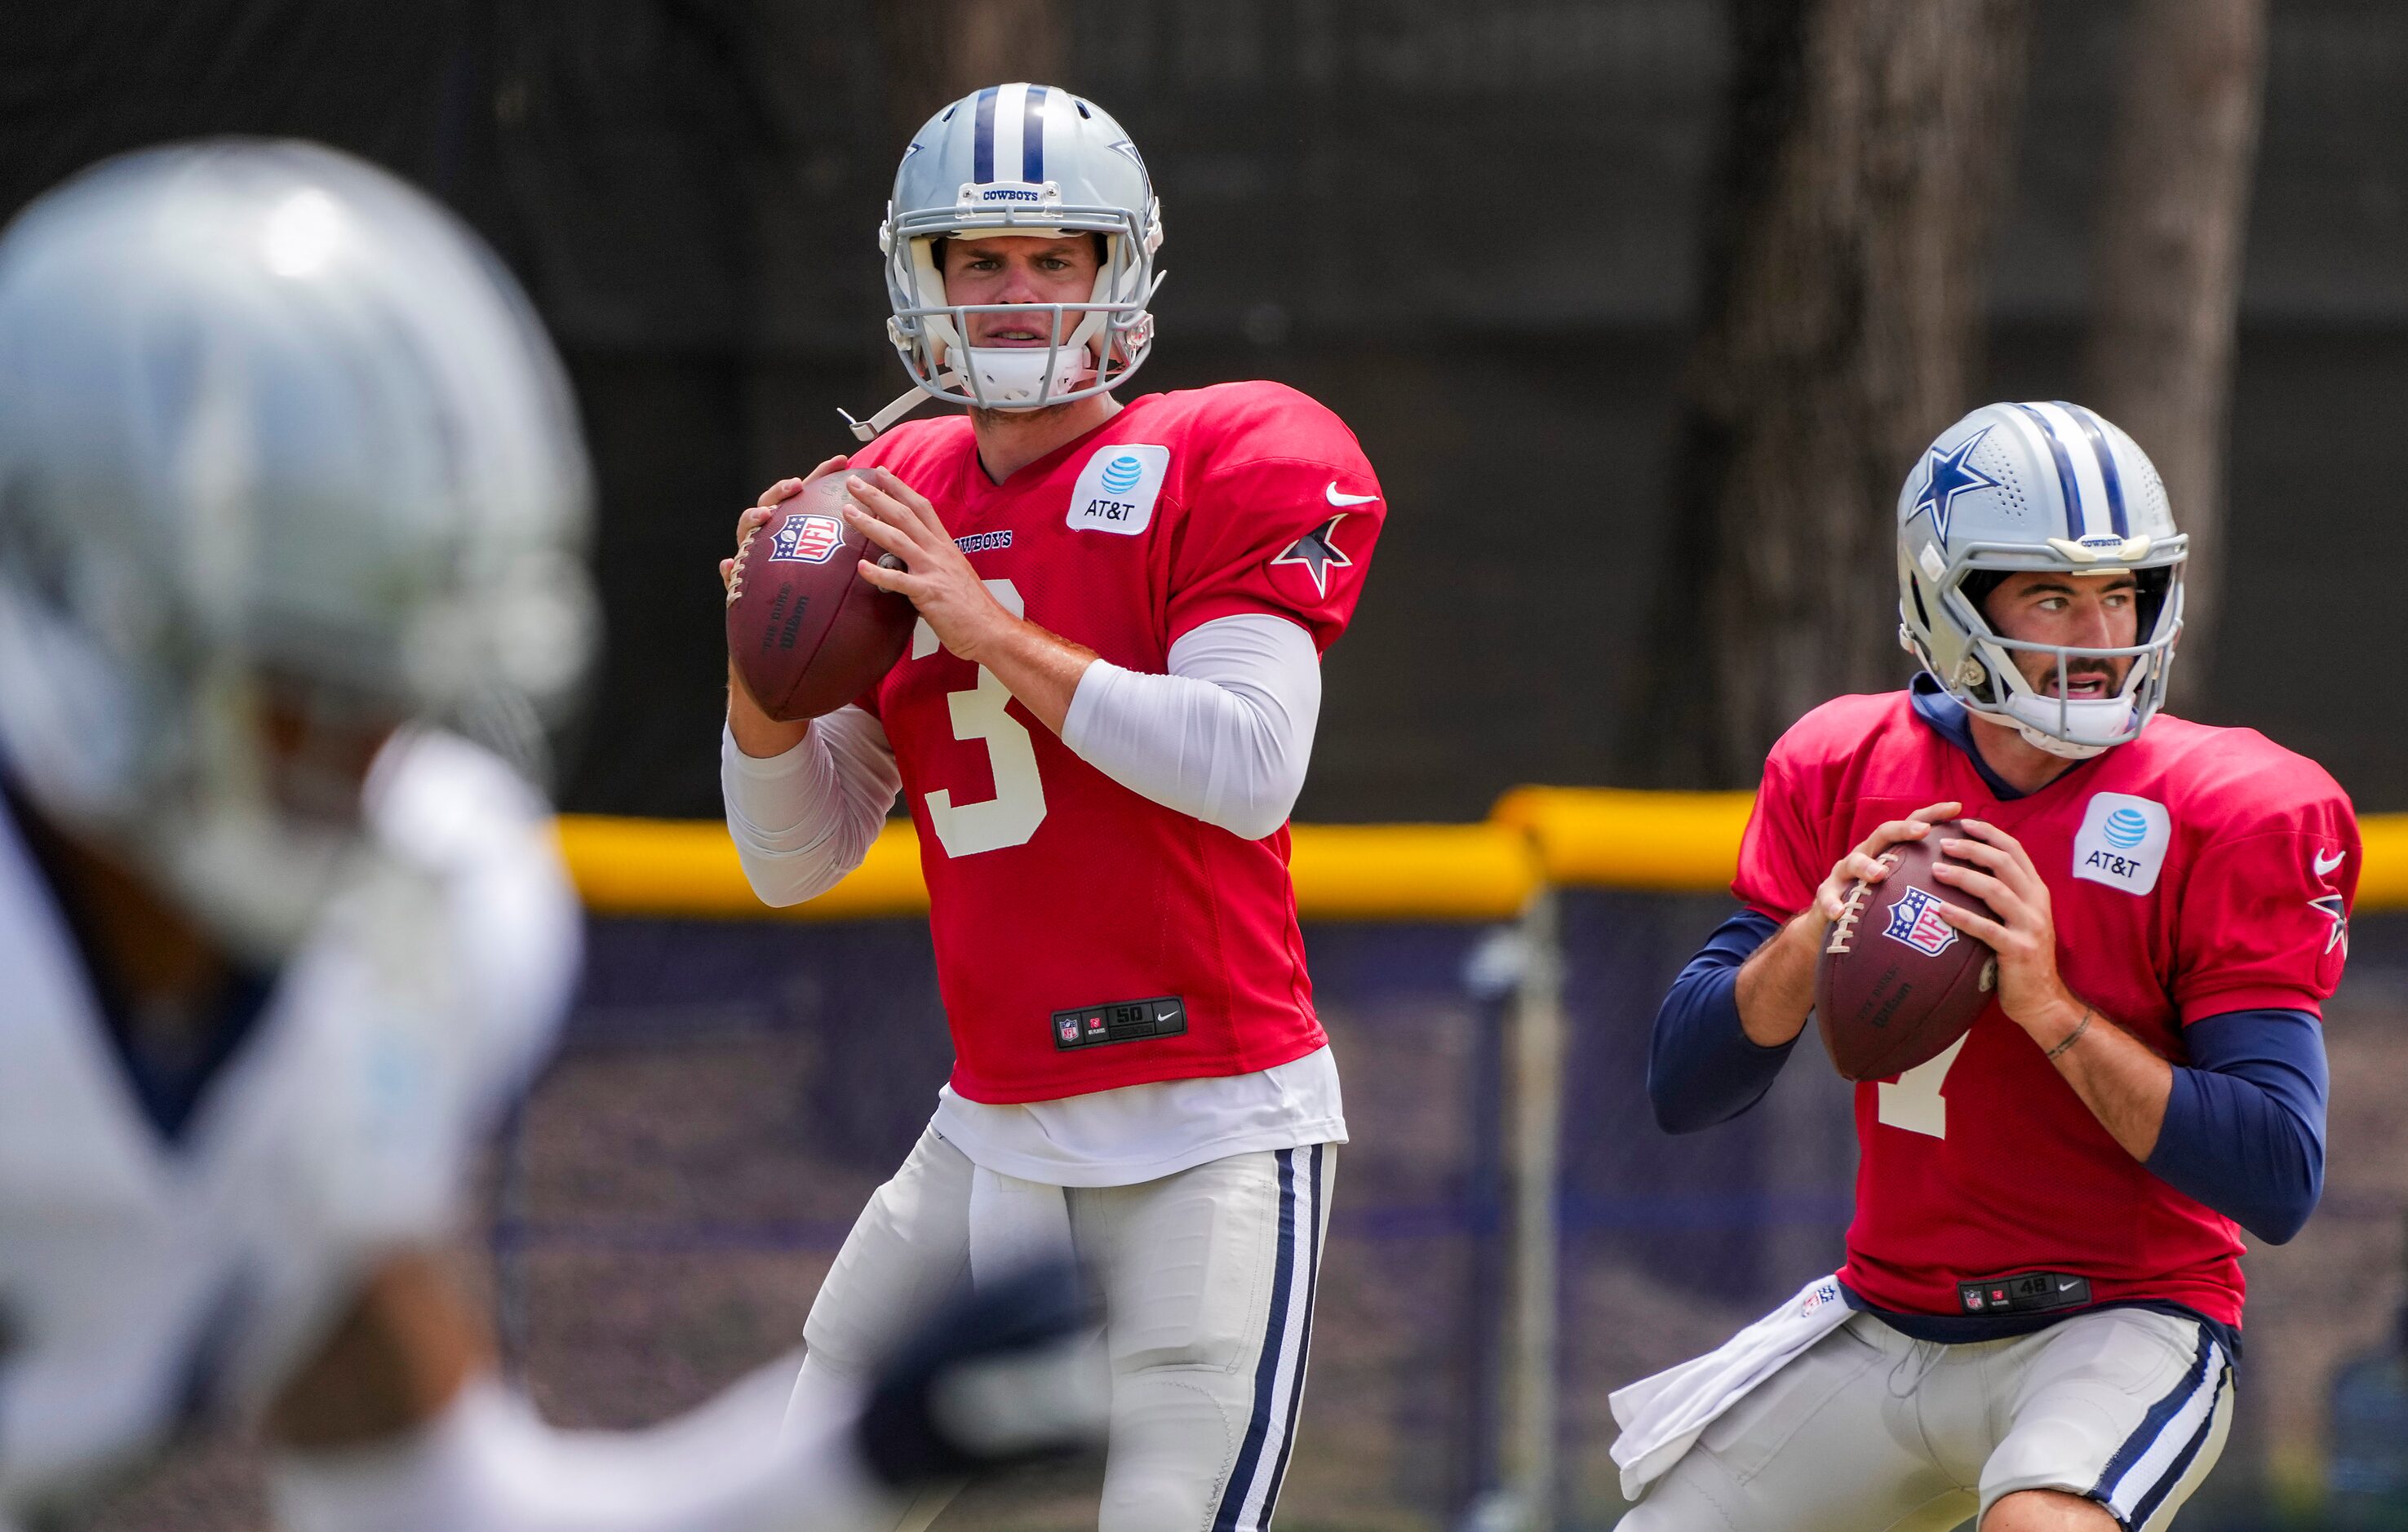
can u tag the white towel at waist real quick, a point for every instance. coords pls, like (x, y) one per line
(1661, 1417)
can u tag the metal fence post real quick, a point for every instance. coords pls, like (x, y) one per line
(1532, 1408)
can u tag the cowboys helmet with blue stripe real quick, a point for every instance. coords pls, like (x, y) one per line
(2037, 486)
(273, 426)
(1018, 159)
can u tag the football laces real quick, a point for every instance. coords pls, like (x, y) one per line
(1843, 929)
(735, 576)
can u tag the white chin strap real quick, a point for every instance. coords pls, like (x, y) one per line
(2069, 728)
(1009, 377)
(903, 405)
(1013, 377)
(2074, 728)
(2090, 727)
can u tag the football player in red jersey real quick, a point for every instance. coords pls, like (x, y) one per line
(1099, 727)
(2039, 1314)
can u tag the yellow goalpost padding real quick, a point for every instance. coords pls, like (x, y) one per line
(1622, 837)
(1572, 837)
(688, 868)
(2383, 882)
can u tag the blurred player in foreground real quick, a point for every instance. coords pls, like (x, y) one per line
(285, 464)
(1101, 724)
(2040, 1310)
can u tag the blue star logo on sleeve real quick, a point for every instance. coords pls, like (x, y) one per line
(1946, 476)
(2330, 906)
(1317, 551)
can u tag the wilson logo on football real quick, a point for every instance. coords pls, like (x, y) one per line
(806, 540)
(1914, 919)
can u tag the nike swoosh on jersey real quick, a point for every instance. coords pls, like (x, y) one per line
(1337, 499)
(2324, 868)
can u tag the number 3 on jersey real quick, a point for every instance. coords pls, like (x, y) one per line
(1018, 807)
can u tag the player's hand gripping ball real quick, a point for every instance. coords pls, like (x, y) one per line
(807, 633)
(1896, 984)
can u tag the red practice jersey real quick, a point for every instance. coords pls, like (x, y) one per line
(2192, 872)
(1077, 924)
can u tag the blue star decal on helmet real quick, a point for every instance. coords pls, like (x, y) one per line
(1946, 476)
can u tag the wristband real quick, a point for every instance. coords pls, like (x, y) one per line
(2075, 1035)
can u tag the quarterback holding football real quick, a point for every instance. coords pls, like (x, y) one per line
(1100, 723)
(2040, 1316)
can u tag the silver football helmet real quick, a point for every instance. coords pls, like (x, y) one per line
(285, 460)
(1031, 160)
(2037, 486)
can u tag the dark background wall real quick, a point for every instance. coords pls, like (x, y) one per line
(1469, 229)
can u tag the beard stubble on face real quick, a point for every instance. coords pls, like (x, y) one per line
(987, 419)
(2040, 672)
(2039, 667)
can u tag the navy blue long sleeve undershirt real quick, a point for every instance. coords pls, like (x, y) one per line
(1702, 1067)
(2245, 1128)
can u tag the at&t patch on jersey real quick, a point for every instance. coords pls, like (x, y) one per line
(1117, 489)
(2123, 841)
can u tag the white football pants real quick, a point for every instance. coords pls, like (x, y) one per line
(1209, 1278)
(1869, 1430)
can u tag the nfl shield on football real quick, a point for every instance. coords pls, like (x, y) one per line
(806, 631)
(1895, 983)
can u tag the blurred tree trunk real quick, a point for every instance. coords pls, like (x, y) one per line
(934, 51)
(1870, 146)
(2166, 281)
(940, 51)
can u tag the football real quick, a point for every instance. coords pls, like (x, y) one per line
(807, 633)
(1896, 984)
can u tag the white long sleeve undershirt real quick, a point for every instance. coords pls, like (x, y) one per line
(802, 820)
(1225, 736)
